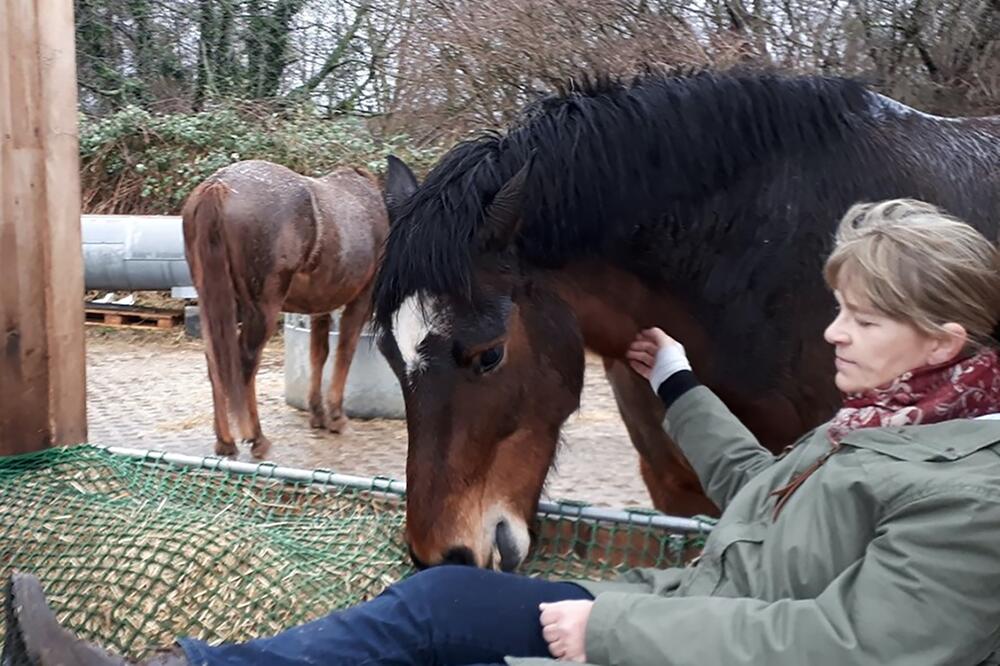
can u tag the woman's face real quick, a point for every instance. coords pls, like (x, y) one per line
(873, 349)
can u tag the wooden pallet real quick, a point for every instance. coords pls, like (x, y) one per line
(131, 316)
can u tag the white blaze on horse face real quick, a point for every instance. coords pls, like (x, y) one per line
(415, 320)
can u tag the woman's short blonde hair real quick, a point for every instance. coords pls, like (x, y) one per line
(915, 263)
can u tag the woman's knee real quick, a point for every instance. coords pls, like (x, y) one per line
(446, 589)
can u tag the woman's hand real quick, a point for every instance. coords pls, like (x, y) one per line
(564, 627)
(656, 356)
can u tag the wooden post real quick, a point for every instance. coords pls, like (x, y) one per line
(42, 365)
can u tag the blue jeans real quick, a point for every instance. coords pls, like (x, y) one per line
(448, 615)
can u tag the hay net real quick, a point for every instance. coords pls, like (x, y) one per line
(136, 551)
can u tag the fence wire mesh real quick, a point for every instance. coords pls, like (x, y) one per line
(135, 551)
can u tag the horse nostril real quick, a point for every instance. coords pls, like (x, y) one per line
(417, 562)
(507, 546)
(460, 555)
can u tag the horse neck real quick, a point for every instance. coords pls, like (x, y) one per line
(612, 305)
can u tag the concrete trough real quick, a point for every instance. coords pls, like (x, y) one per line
(372, 390)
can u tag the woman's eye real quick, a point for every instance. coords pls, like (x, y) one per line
(489, 359)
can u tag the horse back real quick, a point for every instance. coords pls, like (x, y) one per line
(954, 162)
(267, 215)
(350, 213)
(351, 223)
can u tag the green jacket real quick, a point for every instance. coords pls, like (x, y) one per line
(888, 554)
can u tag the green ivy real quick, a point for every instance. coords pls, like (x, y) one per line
(137, 162)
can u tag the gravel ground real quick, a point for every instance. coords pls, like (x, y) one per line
(150, 389)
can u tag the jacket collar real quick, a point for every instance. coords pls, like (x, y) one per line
(938, 442)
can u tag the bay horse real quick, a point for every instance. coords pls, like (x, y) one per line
(261, 239)
(704, 203)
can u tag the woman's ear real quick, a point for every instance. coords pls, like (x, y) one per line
(948, 344)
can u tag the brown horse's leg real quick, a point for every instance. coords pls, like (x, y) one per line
(672, 483)
(224, 443)
(258, 323)
(260, 445)
(352, 320)
(319, 349)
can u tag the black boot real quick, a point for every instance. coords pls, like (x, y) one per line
(33, 636)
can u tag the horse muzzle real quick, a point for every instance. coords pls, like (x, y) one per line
(502, 544)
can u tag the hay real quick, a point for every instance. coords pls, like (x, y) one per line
(135, 553)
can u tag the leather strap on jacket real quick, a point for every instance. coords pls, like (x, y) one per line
(785, 492)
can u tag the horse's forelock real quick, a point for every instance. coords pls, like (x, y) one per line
(430, 248)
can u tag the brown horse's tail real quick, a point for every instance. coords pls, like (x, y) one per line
(208, 255)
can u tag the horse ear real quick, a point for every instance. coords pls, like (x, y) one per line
(400, 182)
(502, 217)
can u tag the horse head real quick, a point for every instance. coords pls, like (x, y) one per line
(489, 372)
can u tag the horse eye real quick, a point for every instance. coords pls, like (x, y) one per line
(489, 359)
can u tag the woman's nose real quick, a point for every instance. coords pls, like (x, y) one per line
(835, 334)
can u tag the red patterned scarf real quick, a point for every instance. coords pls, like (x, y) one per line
(964, 388)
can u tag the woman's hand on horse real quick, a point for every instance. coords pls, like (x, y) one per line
(564, 627)
(656, 356)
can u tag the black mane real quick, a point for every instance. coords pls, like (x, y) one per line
(611, 160)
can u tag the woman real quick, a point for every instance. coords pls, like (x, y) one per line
(873, 540)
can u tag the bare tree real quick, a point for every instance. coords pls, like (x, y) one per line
(470, 64)
(436, 68)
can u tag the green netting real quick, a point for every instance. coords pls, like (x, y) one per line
(136, 551)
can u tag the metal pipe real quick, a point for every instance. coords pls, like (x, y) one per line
(398, 488)
(134, 252)
(267, 470)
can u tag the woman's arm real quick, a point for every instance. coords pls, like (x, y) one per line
(722, 451)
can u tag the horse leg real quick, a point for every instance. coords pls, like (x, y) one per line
(319, 349)
(352, 320)
(224, 443)
(673, 486)
(258, 323)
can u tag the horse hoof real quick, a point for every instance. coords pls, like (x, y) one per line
(225, 448)
(260, 447)
(316, 420)
(337, 425)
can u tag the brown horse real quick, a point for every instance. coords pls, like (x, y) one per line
(261, 239)
(704, 204)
